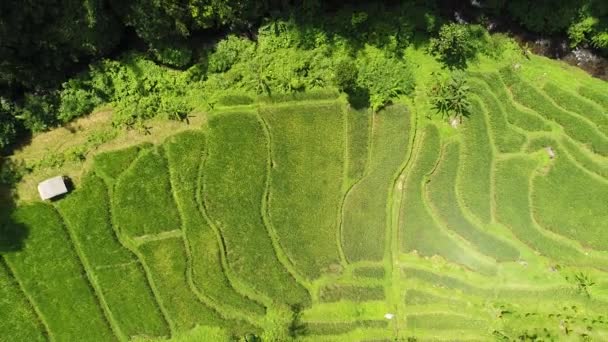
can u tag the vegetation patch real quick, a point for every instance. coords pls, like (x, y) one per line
(442, 196)
(234, 178)
(552, 200)
(143, 198)
(418, 229)
(577, 128)
(364, 222)
(20, 320)
(334, 293)
(576, 104)
(116, 270)
(358, 140)
(337, 328)
(59, 290)
(185, 153)
(110, 165)
(512, 179)
(305, 190)
(166, 262)
(369, 272)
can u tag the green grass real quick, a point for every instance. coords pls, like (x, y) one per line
(369, 272)
(365, 209)
(474, 173)
(51, 274)
(441, 321)
(583, 158)
(504, 136)
(576, 127)
(116, 270)
(110, 165)
(513, 208)
(571, 203)
(445, 281)
(336, 292)
(517, 116)
(358, 133)
(418, 230)
(185, 152)
(576, 104)
(442, 196)
(234, 178)
(337, 328)
(143, 201)
(307, 143)
(594, 95)
(166, 261)
(19, 320)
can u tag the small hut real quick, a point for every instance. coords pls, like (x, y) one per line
(52, 187)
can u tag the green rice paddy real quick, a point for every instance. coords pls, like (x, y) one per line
(309, 219)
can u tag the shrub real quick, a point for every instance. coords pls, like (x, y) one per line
(76, 99)
(173, 55)
(454, 45)
(385, 77)
(228, 52)
(450, 96)
(8, 125)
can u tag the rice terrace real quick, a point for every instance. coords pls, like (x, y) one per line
(322, 208)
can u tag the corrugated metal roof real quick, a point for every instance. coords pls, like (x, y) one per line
(52, 187)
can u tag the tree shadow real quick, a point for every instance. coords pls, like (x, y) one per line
(12, 234)
(358, 97)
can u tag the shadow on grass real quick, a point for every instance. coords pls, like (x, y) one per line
(358, 97)
(12, 234)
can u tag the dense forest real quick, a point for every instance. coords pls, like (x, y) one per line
(61, 58)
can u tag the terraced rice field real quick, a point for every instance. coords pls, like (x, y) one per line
(363, 226)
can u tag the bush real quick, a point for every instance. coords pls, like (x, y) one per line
(454, 45)
(384, 77)
(76, 99)
(228, 52)
(450, 96)
(175, 56)
(8, 130)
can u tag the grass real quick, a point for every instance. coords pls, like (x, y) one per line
(222, 224)
(594, 95)
(504, 136)
(418, 230)
(513, 208)
(442, 196)
(185, 152)
(143, 201)
(307, 166)
(572, 203)
(20, 321)
(364, 218)
(474, 174)
(358, 136)
(51, 274)
(337, 328)
(336, 292)
(583, 158)
(166, 261)
(442, 321)
(116, 270)
(573, 125)
(517, 116)
(369, 272)
(110, 165)
(576, 104)
(234, 178)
